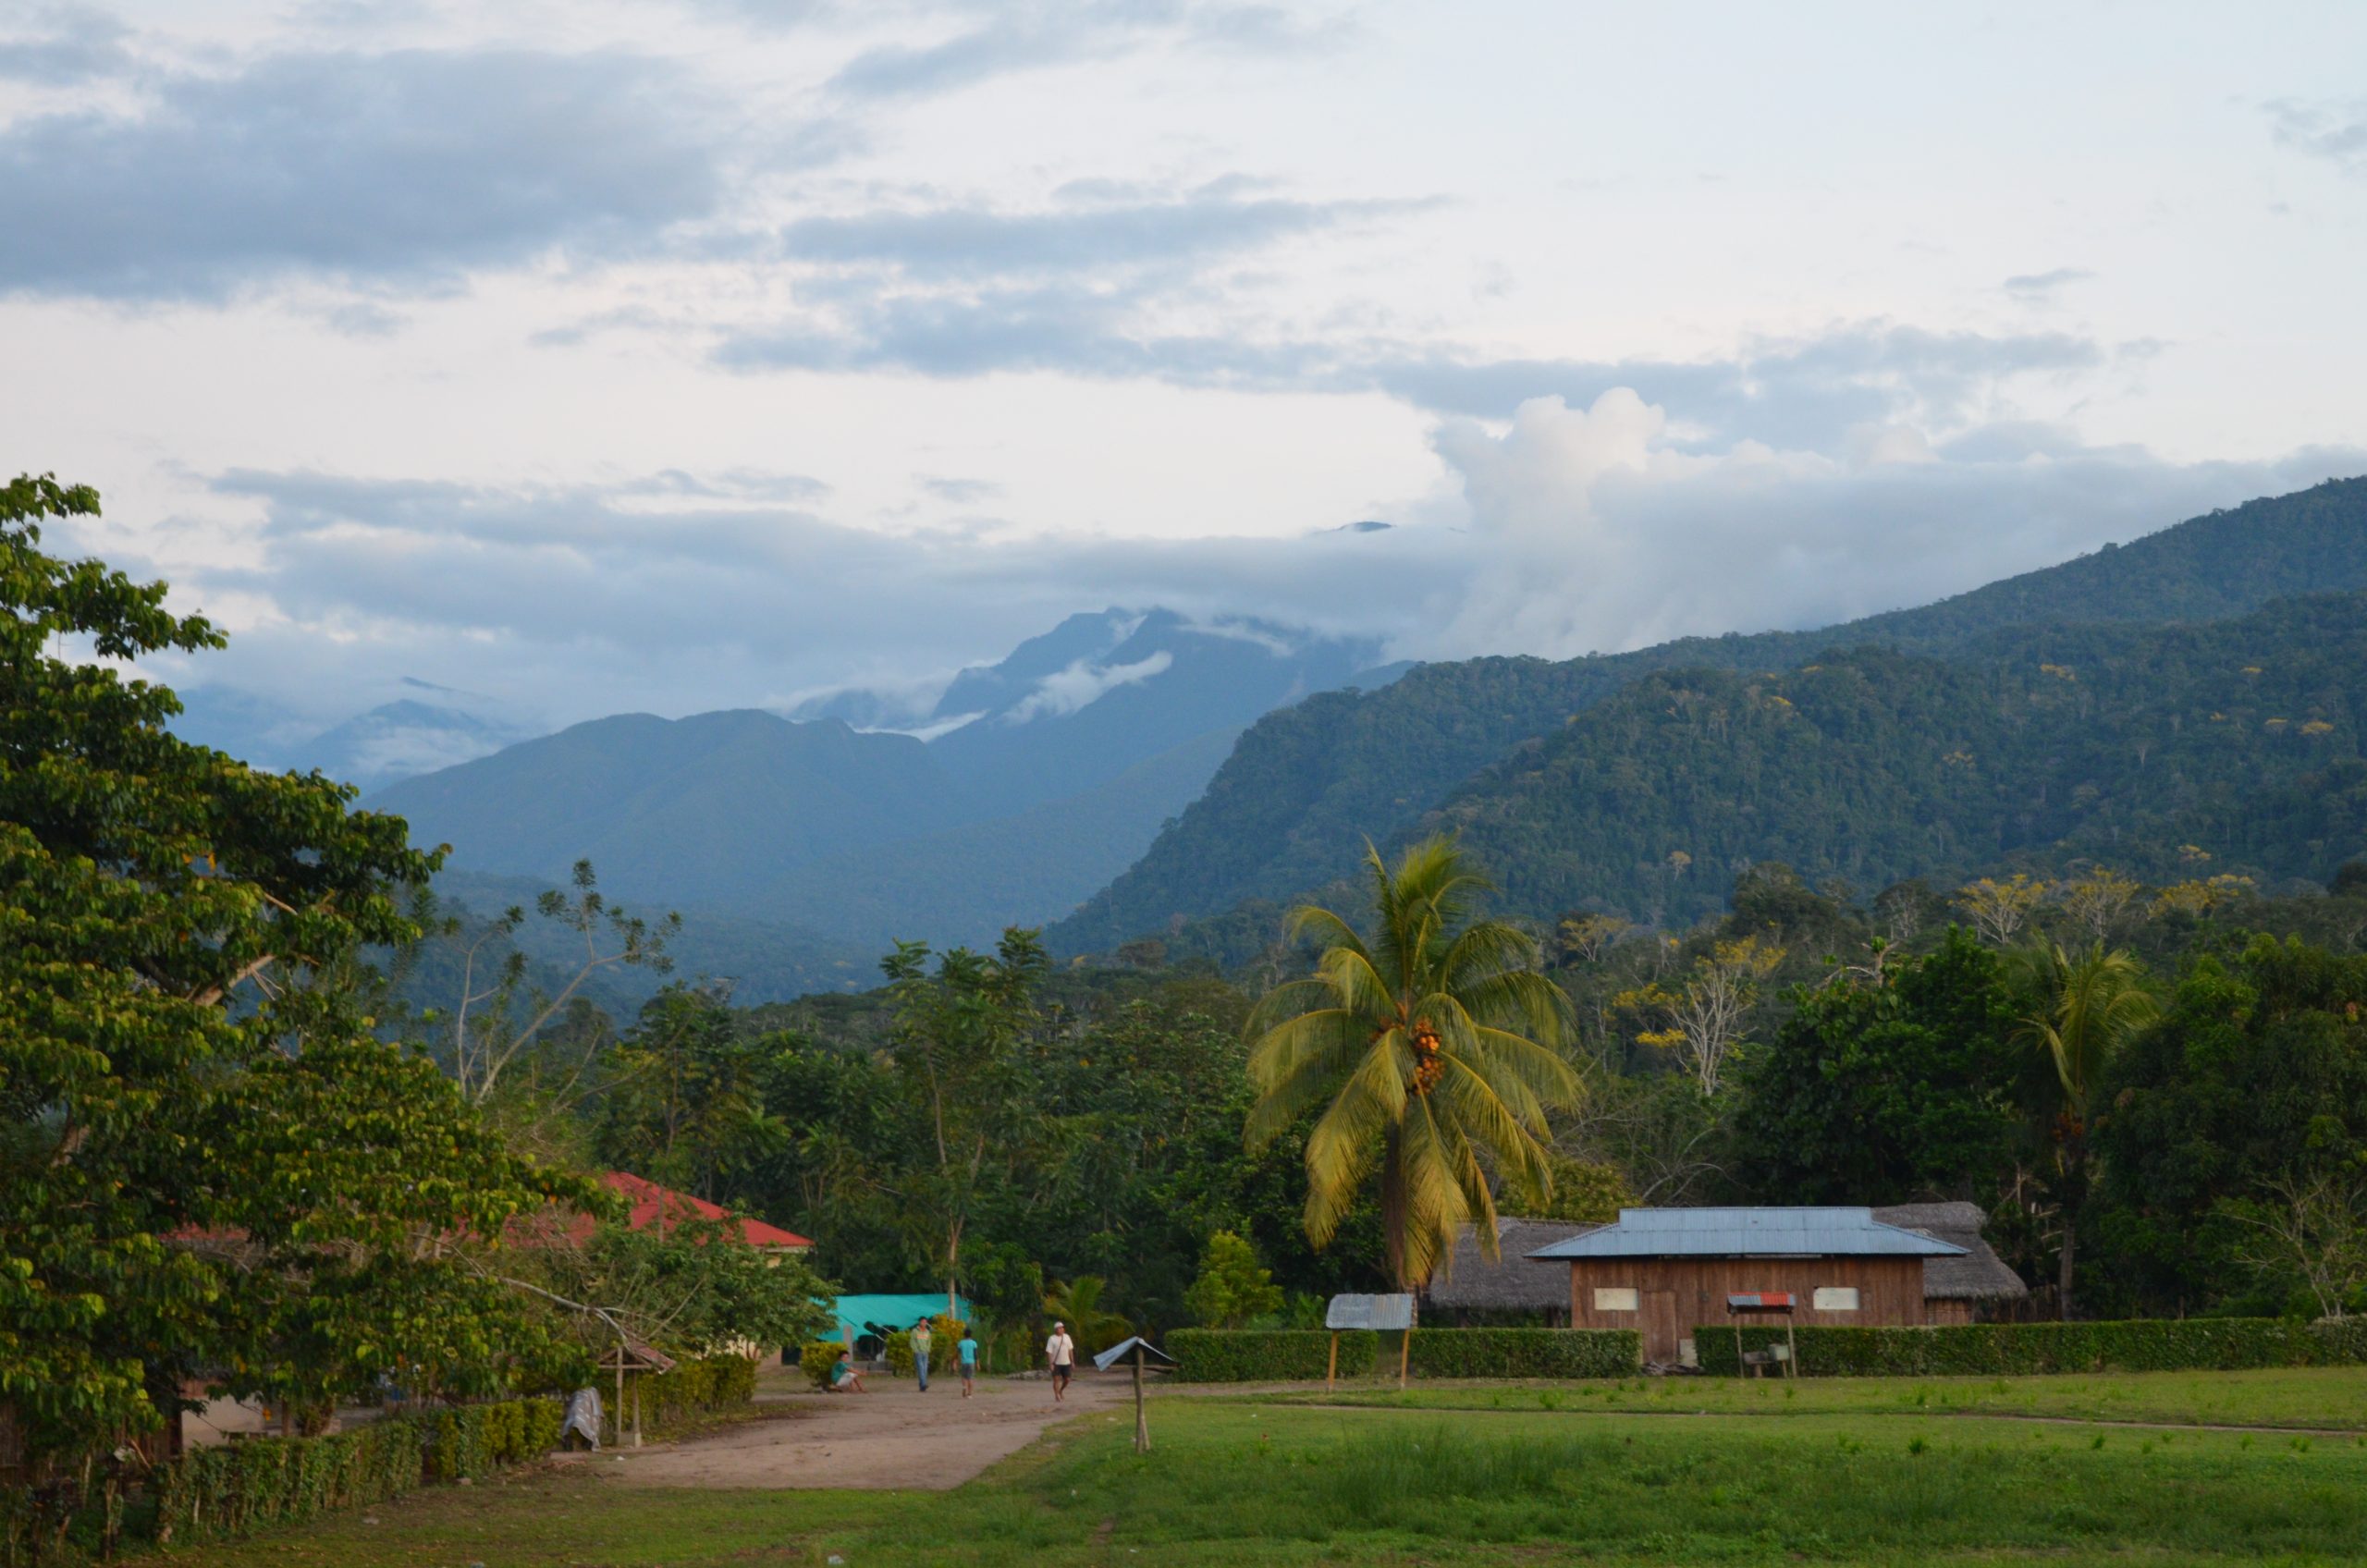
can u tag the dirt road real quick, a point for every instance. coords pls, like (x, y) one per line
(894, 1438)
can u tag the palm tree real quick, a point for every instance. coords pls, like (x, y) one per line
(1077, 1303)
(2090, 1005)
(1436, 1047)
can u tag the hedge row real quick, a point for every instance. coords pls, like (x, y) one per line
(693, 1389)
(1982, 1349)
(1527, 1352)
(210, 1493)
(1256, 1356)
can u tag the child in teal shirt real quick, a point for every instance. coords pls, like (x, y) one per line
(968, 1353)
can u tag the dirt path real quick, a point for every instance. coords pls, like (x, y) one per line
(894, 1438)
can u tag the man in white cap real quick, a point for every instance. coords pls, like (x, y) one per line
(1060, 1352)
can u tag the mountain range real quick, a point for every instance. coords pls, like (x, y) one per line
(1029, 784)
(1568, 778)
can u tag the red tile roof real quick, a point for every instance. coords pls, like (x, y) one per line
(654, 1207)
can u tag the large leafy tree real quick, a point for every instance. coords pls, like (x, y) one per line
(1883, 1087)
(208, 1165)
(2249, 1093)
(1432, 1051)
(2089, 1006)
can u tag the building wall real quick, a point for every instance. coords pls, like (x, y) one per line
(1677, 1294)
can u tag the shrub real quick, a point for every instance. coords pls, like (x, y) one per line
(1526, 1353)
(1245, 1356)
(1979, 1349)
(210, 1493)
(696, 1386)
(899, 1352)
(818, 1358)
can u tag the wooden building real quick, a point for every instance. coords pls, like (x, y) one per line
(1477, 1291)
(1667, 1271)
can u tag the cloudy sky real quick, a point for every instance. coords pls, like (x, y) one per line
(596, 356)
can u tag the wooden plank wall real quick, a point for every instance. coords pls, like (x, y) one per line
(1889, 1290)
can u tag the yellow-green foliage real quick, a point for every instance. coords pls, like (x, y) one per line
(817, 1358)
(210, 1493)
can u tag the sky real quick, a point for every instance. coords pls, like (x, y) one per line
(580, 358)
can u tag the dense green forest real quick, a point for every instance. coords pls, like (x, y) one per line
(1291, 808)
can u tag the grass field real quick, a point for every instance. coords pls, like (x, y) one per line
(2322, 1399)
(1765, 1479)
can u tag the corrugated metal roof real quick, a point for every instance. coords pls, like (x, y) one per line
(1748, 1232)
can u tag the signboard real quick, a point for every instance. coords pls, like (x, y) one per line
(1385, 1314)
(1760, 1301)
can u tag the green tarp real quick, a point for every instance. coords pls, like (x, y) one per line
(893, 1311)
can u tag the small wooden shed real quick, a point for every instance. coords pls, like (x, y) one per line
(1666, 1271)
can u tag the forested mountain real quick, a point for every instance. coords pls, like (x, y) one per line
(1063, 762)
(2171, 752)
(1289, 809)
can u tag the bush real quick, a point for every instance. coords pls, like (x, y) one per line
(1247, 1355)
(816, 1360)
(898, 1354)
(211, 1493)
(1526, 1353)
(696, 1386)
(1990, 1348)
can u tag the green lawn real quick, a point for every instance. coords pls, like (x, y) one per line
(1243, 1481)
(2330, 1398)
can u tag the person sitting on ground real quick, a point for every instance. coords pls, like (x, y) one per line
(844, 1378)
(966, 1353)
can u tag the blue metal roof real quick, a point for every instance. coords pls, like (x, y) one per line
(1749, 1232)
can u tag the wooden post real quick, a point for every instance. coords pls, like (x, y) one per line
(1791, 1350)
(1331, 1368)
(1741, 1368)
(1405, 1356)
(636, 1413)
(1142, 1426)
(620, 1394)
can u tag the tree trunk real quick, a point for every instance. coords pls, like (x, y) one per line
(2063, 1279)
(1392, 1208)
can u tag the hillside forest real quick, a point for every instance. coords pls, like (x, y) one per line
(277, 1121)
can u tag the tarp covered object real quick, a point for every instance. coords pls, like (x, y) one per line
(893, 1312)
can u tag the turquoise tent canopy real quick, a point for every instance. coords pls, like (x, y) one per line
(859, 1313)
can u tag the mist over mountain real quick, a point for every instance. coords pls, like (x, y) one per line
(1291, 807)
(1040, 778)
(395, 740)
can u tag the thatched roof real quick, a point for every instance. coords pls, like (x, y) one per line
(1978, 1275)
(1513, 1282)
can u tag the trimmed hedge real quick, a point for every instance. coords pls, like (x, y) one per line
(693, 1389)
(1257, 1355)
(1527, 1352)
(1988, 1349)
(212, 1493)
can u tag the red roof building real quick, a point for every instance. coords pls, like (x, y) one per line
(656, 1207)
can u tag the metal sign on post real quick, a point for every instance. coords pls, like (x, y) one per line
(1393, 1314)
(1133, 1350)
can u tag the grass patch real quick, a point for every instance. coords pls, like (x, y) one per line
(2320, 1398)
(1234, 1482)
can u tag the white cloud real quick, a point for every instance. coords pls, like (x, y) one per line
(1589, 531)
(1083, 683)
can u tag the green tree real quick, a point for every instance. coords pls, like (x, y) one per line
(1885, 1090)
(1078, 1304)
(2252, 1084)
(955, 1050)
(1434, 1048)
(2087, 1009)
(206, 1161)
(1234, 1287)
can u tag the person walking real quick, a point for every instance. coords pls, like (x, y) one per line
(968, 1353)
(1060, 1352)
(920, 1352)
